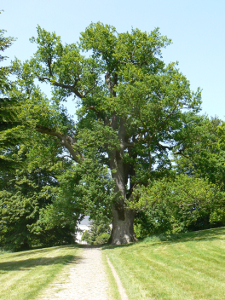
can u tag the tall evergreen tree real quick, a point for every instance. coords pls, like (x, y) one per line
(26, 194)
(7, 104)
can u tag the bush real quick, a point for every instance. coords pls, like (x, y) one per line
(102, 239)
(179, 205)
(98, 234)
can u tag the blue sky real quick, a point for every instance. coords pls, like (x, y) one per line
(196, 27)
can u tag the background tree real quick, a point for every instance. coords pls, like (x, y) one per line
(133, 109)
(99, 232)
(8, 107)
(178, 204)
(84, 190)
(26, 192)
(205, 156)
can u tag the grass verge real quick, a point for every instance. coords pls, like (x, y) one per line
(23, 275)
(114, 292)
(188, 266)
(3, 251)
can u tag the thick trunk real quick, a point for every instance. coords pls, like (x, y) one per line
(123, 218)
(122, 226)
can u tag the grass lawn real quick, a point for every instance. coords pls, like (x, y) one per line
(23, 275)
(114, 292)
(184, 267)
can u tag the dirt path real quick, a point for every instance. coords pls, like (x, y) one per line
(85, 279)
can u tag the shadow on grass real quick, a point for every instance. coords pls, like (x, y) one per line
(89, 246)
(27, 264)
(106, 247)
(197, 236)
(41, 250)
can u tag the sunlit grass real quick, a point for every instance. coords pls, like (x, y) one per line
(23, 275)
(188, 266)
(114, 292)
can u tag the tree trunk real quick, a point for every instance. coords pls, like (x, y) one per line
(122, 226)
(123, 218)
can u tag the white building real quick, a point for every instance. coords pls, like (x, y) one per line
(82, 227)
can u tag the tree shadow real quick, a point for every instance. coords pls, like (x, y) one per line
(89, 246)
(41, 250)
(30, 263)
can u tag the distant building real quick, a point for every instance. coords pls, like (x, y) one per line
(82, 227)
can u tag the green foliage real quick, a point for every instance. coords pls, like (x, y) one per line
(8, 107)
(178, 205)
(205, 156)
(85, 189)
(133, 111)
(102, 239)
(99, 232)
(153, 101)
(21, 104)
(24, 194)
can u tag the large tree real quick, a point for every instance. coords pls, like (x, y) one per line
(133, 109)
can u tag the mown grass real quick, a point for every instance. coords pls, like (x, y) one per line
(113, 292)
(23, 275)
(188, 266)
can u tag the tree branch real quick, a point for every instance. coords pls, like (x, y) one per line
(91, 107)
(67, 141)
(180, 152)
(62, 85)
(164, 147)
(166, 119)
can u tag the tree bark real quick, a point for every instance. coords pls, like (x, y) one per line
(122, 226)
(123, 218)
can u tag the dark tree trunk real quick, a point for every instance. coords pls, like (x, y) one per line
(122, 226)
(123, 218)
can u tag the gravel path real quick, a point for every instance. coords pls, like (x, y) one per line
(86, 280)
